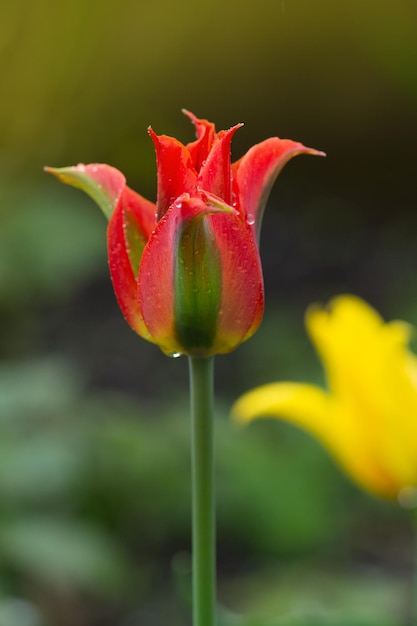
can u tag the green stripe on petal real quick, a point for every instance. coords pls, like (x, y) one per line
(198, 286)
(176, 295)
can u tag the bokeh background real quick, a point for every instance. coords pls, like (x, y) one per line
(94, 461)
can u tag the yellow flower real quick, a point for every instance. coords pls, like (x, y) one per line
(368, 418)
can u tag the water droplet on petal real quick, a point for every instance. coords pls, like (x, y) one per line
(250, 218)
(174, 355)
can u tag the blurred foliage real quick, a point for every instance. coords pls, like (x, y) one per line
(35, 265)
(94, 461)
(95, 500)
(299, 597)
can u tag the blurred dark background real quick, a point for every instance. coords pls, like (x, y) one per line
(94, 462)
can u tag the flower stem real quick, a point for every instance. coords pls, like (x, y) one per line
(203, 498)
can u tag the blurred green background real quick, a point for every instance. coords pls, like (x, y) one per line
(94, 462)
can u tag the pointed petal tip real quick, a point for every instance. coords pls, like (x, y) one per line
(61, 171)
(234, 128)
(196, 120)
(80, 168)
(190, 115)
(300, 148)
(102, 182)
(216, 204)
(152, 133)
(317, 152)
(54, 170)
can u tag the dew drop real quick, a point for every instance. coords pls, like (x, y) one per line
(250, 218)
(174, 355)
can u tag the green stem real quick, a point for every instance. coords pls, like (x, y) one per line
(203, 498)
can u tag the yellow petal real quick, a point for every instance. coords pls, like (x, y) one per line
(368, 420)
(354, 345)
(305, 405)
(314, 410)
(370, 374)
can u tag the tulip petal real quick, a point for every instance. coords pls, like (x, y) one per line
(128, 232)
(307, 406)
(227, 282)
(176, 173)
(255, 173)
(131, 220)
(199, 282)
(157, 274)
(215, 175)
(103, 183)
(138, 223)
(317, 412)
(355, 346)
(242, 303)
(369, 370)
(200, 148)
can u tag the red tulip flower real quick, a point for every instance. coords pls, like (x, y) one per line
(186, 271)
(187, 275)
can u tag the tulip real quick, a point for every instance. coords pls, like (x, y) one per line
(368, 417)
(186, 270)
(187, 275)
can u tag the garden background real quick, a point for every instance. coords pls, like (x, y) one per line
(94, 461)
